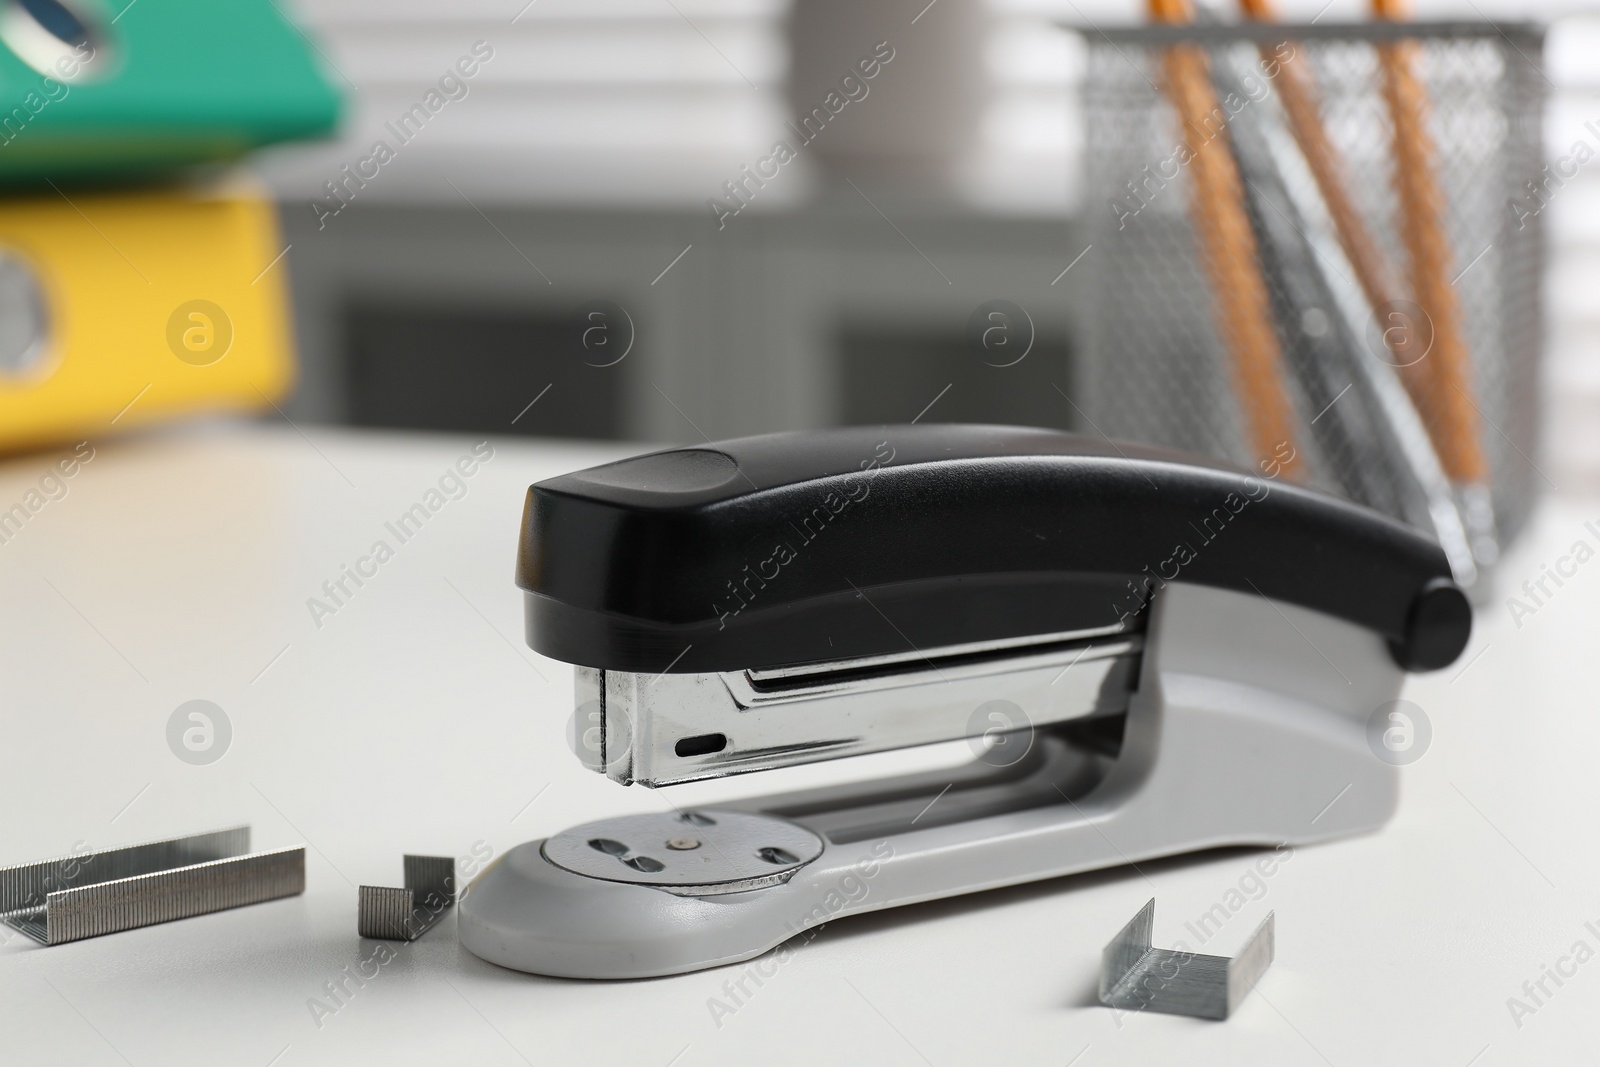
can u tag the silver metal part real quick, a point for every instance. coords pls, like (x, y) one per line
(94, 893)
(24, 318)
(25, 887)
(668, 728)
(1136, 977)
(1476, 505)
(934, 655)
(733, 852)
(589, 722)
(406, 914)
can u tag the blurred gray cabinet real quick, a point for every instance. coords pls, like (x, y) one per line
(445, 318)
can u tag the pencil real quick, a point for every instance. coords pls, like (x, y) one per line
(1445, 369)
(1228, 250)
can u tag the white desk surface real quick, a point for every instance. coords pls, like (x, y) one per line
(415, 719)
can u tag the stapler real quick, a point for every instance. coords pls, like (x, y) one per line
(1149, 653)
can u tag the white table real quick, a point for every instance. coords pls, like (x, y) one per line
(178, 567)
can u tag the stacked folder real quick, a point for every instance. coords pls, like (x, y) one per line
(135, 282)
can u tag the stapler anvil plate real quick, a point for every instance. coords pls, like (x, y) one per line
(1151, 653)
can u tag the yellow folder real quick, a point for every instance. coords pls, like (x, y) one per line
(123, 308)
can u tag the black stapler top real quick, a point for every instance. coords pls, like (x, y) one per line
(832, 545)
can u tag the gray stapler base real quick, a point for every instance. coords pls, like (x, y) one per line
(1249, 727)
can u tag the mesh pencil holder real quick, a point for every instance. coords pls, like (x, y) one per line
(1278, 274)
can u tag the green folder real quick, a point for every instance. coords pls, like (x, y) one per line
(110, 91)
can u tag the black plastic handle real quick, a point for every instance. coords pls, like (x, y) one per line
(826, 545)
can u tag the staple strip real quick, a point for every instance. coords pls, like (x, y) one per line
(431, 879)
(406, 914)
(162, 896)
(26, 886)
(385, 912)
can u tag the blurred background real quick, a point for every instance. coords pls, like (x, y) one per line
(573, 219)
(582, 162)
